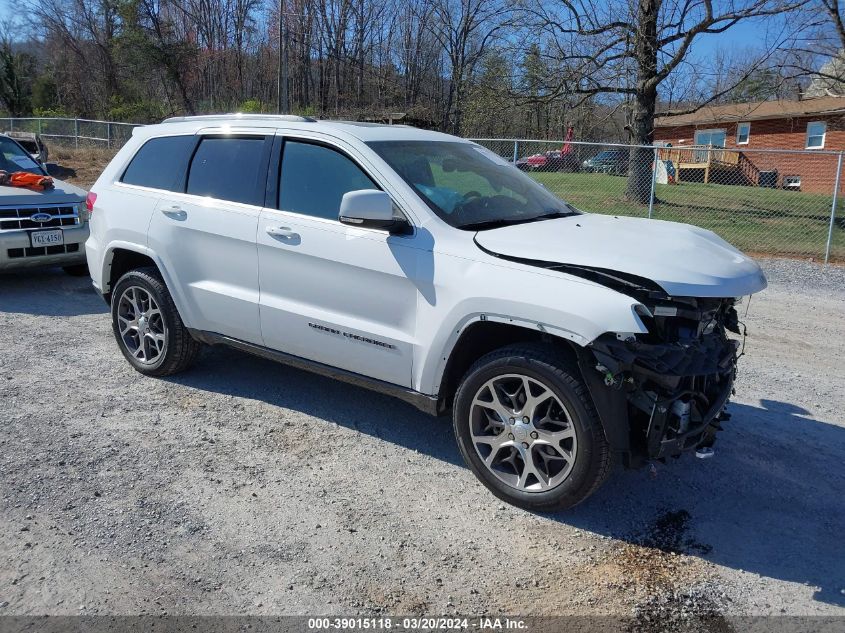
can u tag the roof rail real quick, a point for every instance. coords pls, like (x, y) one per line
(240, 115)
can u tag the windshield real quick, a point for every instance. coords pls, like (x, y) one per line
(469, 186)
(14, 158)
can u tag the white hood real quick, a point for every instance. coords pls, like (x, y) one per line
(686, 261)
(61, 193)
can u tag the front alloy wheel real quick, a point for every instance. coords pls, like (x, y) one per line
(523, 432)
(527, 427)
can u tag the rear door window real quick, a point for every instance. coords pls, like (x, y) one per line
(230, 168)
(161, 163)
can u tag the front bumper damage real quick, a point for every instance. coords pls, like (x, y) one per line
(665, 392)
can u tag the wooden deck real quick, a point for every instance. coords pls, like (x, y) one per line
(729, 164)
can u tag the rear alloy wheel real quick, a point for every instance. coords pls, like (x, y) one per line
(142, 329)
(527, 428)
(147, 326)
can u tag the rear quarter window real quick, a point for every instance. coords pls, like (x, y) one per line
(161, 163)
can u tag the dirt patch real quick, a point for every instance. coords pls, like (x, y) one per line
(672, 589)
(80, 167)
(244, 487)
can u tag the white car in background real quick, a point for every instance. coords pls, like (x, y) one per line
(32, 143)
(40, 228)
(426, 267)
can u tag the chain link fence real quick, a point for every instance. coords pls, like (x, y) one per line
(767, 202)
(71, 132)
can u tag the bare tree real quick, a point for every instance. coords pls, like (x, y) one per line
(87, 30)
(818, 59)
(160, 40)
(630, 47)
(460, 65)
(464, 28)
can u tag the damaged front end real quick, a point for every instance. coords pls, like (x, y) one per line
(665, 392)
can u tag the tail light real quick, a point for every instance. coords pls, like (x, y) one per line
(90, 199)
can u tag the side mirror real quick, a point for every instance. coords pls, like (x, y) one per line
(370, 208)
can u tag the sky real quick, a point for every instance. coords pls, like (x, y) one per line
(6, 8)
(745, 35)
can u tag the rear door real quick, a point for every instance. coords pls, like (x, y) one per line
(341, 295)
(156, 170)
(206, 234)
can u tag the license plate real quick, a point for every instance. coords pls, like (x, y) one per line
(47, 238)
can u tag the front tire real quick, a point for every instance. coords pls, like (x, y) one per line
(147, 326)
(526, 426)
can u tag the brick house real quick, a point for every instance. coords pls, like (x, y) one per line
(814, 126)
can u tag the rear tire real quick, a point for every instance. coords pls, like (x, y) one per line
(526, 426)
(147, 325)
(77, 270)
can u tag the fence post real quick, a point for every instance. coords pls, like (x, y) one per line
(11, 125)
(76, 133)
(653, 182)
(39, 127)
(515, 151)
(833, 209)
(108, 135)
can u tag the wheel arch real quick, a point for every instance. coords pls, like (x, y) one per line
(484, 335)
(120, 258)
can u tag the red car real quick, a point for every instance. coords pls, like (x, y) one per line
(554, 160)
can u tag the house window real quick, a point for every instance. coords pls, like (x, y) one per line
(815, 134)
(716, 138)
(743, 133)
(792, 182)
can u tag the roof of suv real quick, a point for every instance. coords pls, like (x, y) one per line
(362, 131)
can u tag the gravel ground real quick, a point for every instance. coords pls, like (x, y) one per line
(245, 487)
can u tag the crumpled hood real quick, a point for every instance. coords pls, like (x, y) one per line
(686, 261)
(61, 193)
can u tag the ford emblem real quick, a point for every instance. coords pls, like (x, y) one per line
(41, 217)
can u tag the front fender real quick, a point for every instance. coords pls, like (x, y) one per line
(550, 302)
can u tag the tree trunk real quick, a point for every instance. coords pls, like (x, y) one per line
(641, 158)
(645, 102)
(176, 77)
(457, 120)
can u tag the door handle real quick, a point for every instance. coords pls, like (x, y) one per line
(282, 232)
(175, 213)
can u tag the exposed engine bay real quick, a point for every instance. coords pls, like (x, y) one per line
(678, 377)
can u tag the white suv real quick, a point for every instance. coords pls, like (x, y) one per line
(424, 266)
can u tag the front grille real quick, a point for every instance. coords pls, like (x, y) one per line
(40, 251)
(20, 217)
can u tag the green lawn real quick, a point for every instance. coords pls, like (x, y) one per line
(765, 221)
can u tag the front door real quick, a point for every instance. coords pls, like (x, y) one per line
(332, 293)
